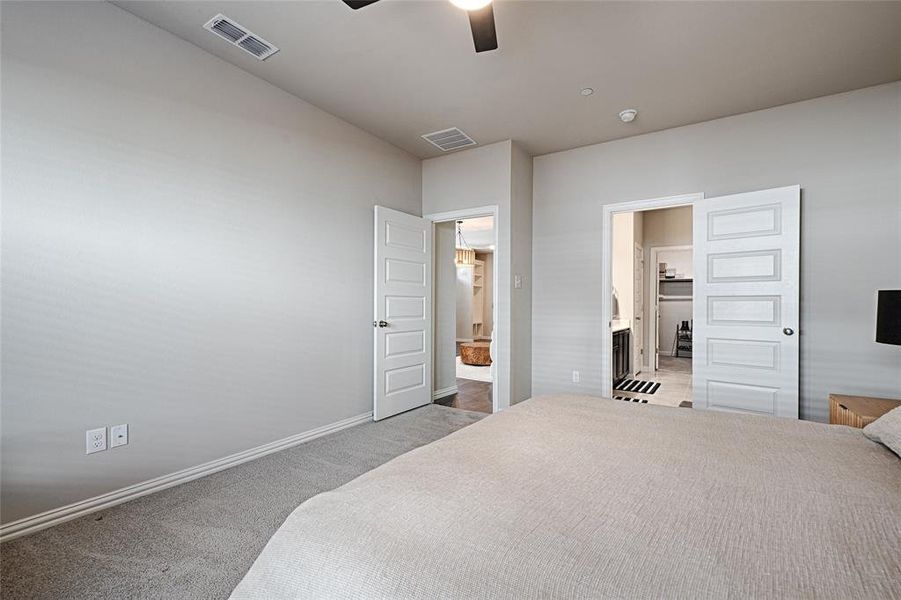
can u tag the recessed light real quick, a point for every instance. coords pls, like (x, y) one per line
(628, 115)
(586, 91)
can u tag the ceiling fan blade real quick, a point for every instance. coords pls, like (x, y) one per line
(484, 35)
(358, 4)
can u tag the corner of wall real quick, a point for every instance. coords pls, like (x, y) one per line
(521, 243)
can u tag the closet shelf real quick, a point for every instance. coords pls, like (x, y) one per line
(675, 297)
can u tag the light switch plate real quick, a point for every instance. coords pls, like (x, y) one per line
(118, 435)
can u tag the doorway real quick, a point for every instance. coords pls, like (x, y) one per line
(745, 301)
(465, 317)
(405, 311)
(652, 305)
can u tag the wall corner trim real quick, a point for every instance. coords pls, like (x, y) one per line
(56, 516)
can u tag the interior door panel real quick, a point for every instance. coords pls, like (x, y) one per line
(402, 320)
(746, 312)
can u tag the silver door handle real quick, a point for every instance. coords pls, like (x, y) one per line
(380, 323)
(788, 331)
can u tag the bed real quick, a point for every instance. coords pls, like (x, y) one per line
(581, 497)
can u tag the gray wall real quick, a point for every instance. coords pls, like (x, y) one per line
(844, 152)
(497, 174)
(445, 368)
(470, 179)
(521, 301)
(185, 248)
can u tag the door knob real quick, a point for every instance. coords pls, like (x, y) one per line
(380, 323)
(788, 331)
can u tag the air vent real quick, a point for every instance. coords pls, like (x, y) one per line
(449, 139)
(240, 36)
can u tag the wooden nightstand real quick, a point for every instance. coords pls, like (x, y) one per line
(858, 411)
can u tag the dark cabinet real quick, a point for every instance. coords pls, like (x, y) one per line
(622, 344)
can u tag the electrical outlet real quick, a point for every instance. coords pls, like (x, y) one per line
(517, 282)
(577, 377)
(118, 435)
(95, 440)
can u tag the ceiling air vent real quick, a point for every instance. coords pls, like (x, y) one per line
(239, 36)
(449, 139)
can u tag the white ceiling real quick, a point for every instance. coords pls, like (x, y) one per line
(401, 68)
(478, 233)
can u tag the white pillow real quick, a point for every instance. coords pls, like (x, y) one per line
(886, 430)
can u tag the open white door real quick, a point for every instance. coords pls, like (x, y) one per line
(638, 311)
(746, 289)
(403, 313)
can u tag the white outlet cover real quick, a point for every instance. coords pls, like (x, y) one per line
(577, 377)
(95, 440)
(118, 435)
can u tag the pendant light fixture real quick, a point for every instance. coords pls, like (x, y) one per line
(465, 255)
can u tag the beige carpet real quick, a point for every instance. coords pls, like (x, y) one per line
(198, 539)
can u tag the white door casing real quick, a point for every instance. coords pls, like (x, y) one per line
(607, 212)
(638, 310)
(402, 319)
(500, 306)
(746, 295)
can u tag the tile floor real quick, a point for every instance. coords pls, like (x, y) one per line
(674, 376)
(474, 388)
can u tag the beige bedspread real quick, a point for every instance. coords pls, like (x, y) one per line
(579, 497)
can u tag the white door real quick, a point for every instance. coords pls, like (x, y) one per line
(638, 311)
(746, 288)
(403, 313)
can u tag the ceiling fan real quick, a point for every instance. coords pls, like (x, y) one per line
(481, 20)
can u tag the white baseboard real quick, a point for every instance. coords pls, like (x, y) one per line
(56, 516)
(444, 392)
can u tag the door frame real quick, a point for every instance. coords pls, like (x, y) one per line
(470, 213)
(654, 289)
(607, 268)
(637, 360)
